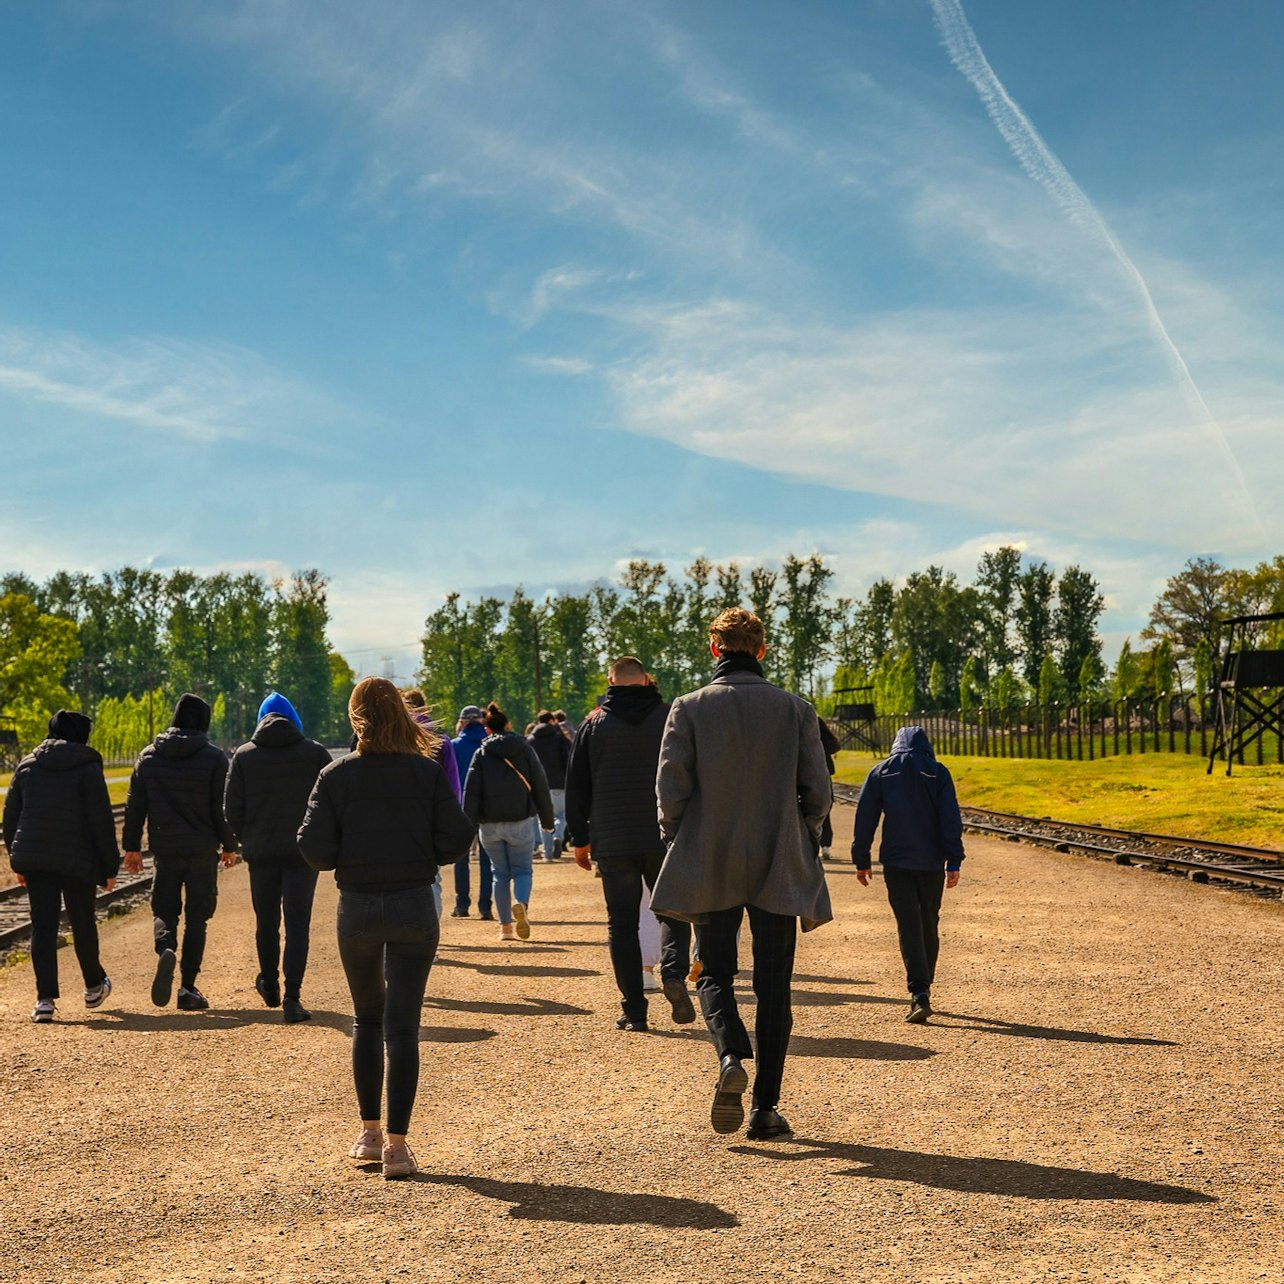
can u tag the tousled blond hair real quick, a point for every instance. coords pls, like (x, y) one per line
(738, 630)
(382, 722)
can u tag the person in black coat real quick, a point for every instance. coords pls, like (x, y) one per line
(61, 838)
(177, 789)
(268, 786)
(505, 787)
(553, 749)
(385, 819)
(611, 817)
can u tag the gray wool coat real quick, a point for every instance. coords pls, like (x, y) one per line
(742, 789)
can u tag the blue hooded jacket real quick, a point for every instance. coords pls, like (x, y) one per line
(914, 794)
(466, 743)
(277, 703)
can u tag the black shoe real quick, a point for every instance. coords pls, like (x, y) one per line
(728, 1111)
(631, 1026)
(486, 916)
(293, 1011)
(190, 999)
(920, 1009)
(766, 1124)
(458, 913)
(269, 991)
(163, 981)
(679, 1002)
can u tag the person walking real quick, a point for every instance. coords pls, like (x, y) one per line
(384, 819)
(61, 839)
(470, 731)
(443, 756)
(504, 788)
(921, 852)
(553, 749)
(268, 785)
(611, 817)
(177, 788)
(742, 792)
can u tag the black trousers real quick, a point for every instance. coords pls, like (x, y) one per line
(915, 898)
(622, 879)
(774, 939)
(47, 894)
(387, 942)
(485, 878)
(179, 878)
(283, 886)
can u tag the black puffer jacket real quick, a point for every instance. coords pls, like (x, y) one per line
(553, 750)
(610, 787)
(268, 786)
(506, 782)
(177, 788)
(57, 815)
(384, 822)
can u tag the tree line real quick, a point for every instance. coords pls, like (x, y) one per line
(125, 644)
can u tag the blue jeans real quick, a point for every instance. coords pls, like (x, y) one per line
(462, 899)
(512, 851)
(553, 839)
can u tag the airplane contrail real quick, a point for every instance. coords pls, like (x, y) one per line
(1042, 165)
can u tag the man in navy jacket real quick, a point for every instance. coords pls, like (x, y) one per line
(921, 851)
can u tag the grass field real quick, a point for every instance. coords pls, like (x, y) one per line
(1160, 792)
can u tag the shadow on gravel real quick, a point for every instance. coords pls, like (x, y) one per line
(989, 1025)
(982, 1176)
(213, 1019)
(507, 948)
(453, 1034)
(828, 980)
(517, 969)
(806, 1045)
(583, 1204)
(528, 1007)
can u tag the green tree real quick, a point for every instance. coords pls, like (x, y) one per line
(35, 650)
(343, 679)
(1074, 623)
(576, 671)
(1193, 604)
(1125, 680)
(1034, 618)
(996, 581)
(969, 686)
(301, 651)
(1052, 685)
(1202, 663)
(936, 684)
(807, 620)
(1006, 689)
(873, 624)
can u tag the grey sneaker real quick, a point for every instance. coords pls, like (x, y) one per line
(163, 982)
(43, 1013)
(95, 997)
(191, 1000)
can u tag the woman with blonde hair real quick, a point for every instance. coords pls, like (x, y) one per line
(384, 818)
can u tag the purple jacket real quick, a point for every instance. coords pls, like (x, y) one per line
(445, 755)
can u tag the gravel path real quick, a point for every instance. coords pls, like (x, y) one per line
(1098, 1100)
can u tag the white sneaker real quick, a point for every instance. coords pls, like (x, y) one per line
(648, 980)
(95, 997)
(43, 1013)
(369, 1146)
(398, 1162)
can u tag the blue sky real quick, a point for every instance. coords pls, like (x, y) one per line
(441, 296)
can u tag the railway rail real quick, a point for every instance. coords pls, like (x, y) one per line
(1257, 869)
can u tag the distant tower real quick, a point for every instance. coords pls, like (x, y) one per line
(386, 661)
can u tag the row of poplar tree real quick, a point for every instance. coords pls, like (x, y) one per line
(123, 646)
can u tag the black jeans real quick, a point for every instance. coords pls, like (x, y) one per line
(774, 939)
(387, 942)
(46, 894)
(484, 878)
(287, 886)
(915, 898)
(622, 878)
(196, 879)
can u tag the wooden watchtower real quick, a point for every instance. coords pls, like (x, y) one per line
(854, 722)
(1249, 693)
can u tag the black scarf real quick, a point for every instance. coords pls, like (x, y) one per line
(737, 662)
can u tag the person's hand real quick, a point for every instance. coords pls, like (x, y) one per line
(584, 857)
(133, 862)
(229, 859)
(22, 882)
(952, 878)
(110, 885)
(863, 876)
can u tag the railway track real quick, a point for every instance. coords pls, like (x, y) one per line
(15, 924)
(1256, 869)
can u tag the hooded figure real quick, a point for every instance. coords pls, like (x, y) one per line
(268, 786)
(921, 851)
(61, 836)
(191, 713)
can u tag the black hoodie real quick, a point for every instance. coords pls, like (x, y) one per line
(177, 788)
(506, 782)
(610, 784)
(268, 786)
(554, 752)
(57, 814)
